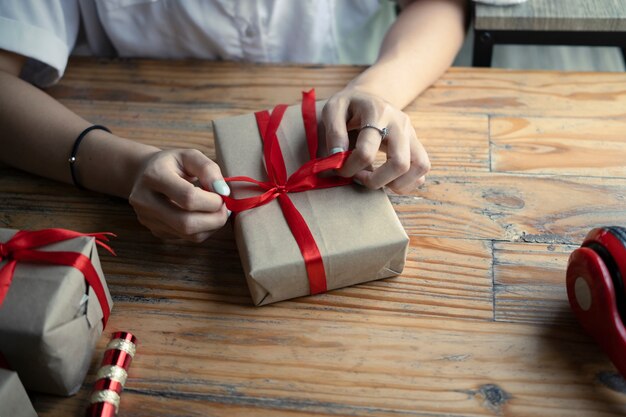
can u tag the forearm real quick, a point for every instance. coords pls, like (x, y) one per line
(38, 133)
(416, 51)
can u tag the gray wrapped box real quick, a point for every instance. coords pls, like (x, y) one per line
(357, 230)
(48, 328)
(14, 401)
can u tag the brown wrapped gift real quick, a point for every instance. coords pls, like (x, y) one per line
(357, 231)
(51, 319)
(14, 401)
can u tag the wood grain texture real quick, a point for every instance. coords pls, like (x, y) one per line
(246, 87)
(477, 324)
(520, 93)
(559, 146)
(520, 208)
(529, 283)
(454, 141)
(554, 15)
(200, 358)
(225, 85)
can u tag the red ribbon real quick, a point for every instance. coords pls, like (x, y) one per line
(21, 248)
(304, 179)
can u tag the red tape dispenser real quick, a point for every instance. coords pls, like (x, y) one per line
(596, 292)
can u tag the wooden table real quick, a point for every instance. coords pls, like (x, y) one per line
(524, 164)
(549, 22)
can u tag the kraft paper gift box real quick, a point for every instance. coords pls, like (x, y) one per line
(14, 401)
(51, 319)
(357, 230)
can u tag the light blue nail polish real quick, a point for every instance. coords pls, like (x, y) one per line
(357, 181)
(228, 212)
(221, 187)
(335, 150)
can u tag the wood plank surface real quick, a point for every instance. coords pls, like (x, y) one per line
(519, 208)
(530, 283)
(559, 146)
(520, 93)
(225, 85)
(476, 325)
(247, 87)
(554, 15)
(201, 358)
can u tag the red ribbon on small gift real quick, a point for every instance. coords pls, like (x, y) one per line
(21, 248)
(278, 186)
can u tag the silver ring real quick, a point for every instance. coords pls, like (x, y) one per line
(383, 132)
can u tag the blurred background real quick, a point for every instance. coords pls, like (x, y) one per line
(566, 58)
(557, 22)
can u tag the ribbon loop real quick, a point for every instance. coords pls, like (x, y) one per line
(4, 251)
(304, 179)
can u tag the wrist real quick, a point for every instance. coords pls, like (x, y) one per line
(365, 83)
(110, 164)
(137, 164)
(76, 146)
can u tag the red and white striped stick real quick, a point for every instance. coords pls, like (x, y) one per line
(112, 375)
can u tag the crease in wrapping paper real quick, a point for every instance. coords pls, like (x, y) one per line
(357, 231)
(14, 401)
(43, 338)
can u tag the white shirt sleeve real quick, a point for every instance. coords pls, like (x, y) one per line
(43, 31)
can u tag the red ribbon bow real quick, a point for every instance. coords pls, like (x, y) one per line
(278, 186)
(20, 248)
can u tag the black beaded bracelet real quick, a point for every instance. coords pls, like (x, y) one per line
(77, 142)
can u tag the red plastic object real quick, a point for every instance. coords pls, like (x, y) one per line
(101, 410)
(592, 295)
(105, 395)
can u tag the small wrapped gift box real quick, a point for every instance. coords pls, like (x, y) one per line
(55, 306)
(14, 401)
(356, 235)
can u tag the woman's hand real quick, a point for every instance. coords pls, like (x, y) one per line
(407, 161)
(167, 202)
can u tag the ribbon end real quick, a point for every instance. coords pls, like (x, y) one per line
(106, 247)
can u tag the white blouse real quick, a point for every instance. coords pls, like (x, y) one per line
(299, 31)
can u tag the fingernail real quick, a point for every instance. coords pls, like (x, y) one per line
(221, 187)
(228, 212)
(335, 150)
(357, 181)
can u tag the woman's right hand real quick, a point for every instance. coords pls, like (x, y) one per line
(170, 205)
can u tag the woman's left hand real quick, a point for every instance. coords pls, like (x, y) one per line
(407, 161)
